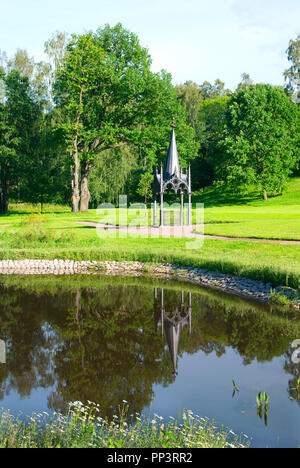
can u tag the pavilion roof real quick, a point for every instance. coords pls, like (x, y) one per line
(172, 167)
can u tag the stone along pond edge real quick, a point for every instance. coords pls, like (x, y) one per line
(228, 283)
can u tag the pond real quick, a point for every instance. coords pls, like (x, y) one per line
(160, 345)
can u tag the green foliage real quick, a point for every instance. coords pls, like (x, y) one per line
(38, 75)
(298, 385)
(263, 398)
(246, 81)
(55, 48)
(212, 91)
(292, 75)
(83, 427)
(279, 299)
(211, 121)
(205, 107)
(34, 220)
(235, 388)
(105, 97)
(112, 174)
(39, 171)
(145, 186)
(39, 236)
(75, 87)
(190, 98)
(48, 168)
(18, 127)
(261, 139)
(111, 99)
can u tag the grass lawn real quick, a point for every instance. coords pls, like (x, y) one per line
(250, 216)
(57, 235)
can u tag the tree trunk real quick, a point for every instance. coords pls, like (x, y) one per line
(265, 195)
(3, 199)
(75, 199)
(85, 193)
(76, 194)
(3, 206)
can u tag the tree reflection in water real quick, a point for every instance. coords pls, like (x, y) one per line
(2, 352)
(96, 340)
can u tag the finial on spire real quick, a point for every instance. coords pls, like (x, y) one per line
(173, 124)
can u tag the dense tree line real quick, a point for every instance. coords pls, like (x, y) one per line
(247, 138)
(92, 121)
(34, 164)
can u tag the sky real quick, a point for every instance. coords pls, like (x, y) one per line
(194, 40)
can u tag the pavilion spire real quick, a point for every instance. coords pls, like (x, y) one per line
(171, 177)
(172, 161)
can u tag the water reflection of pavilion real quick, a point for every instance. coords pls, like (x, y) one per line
(172, 322)
(2, 352)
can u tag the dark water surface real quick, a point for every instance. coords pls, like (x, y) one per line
(162, 346)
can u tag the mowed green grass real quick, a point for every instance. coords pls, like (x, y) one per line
(58, 234)
(225, 214)
(250, 216)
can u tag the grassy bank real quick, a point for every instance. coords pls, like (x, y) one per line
(83, 427)
(56, 234)
(275, 264)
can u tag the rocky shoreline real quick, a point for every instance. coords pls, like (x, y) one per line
(243, 287)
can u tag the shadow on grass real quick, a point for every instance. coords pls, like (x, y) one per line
(83, 227)
(217, 198)
(28, 213)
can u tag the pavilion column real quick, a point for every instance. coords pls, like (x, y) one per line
(190, 195)
(190, 312)
(161, 196)
(190, 210)
(162, 312)
(181, 208)
(162, 208)
(155, 211)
